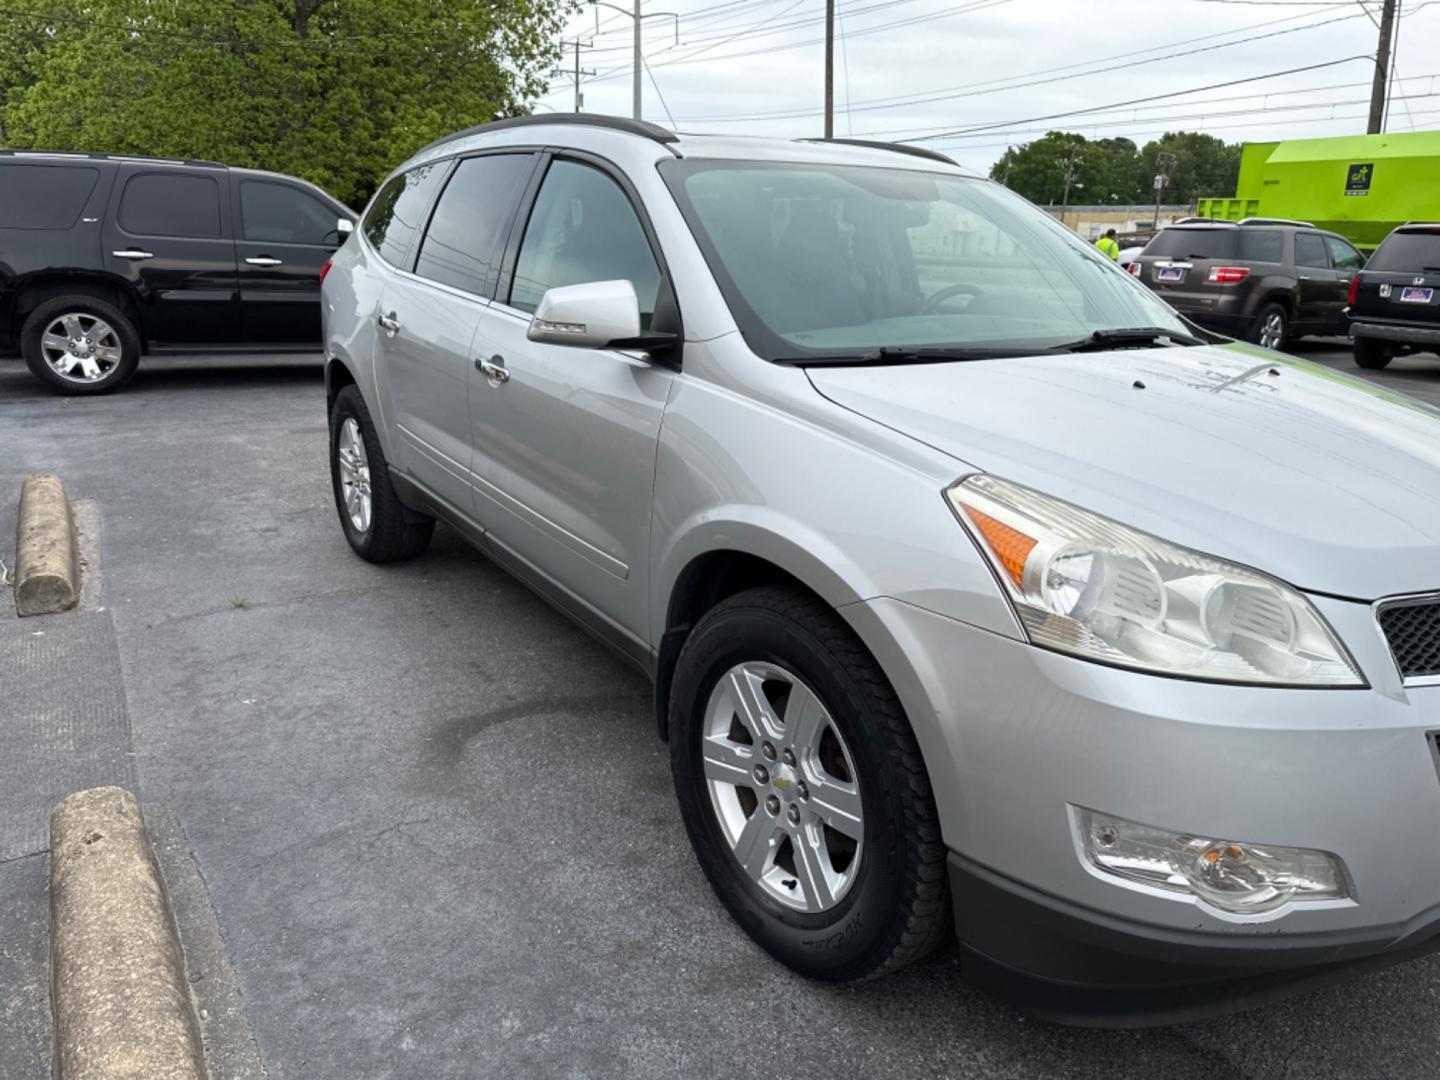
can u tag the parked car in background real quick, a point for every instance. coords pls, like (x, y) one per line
(105, 257)
(1266, 280)
(1395, 301)
(971, 601)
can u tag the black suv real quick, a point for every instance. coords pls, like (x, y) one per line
(1264, 279)
(103, 257)
(1395, 300)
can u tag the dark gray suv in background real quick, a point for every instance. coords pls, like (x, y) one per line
(1266, 280)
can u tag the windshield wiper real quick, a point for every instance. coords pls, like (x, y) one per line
(1132, 337)
(905, 354)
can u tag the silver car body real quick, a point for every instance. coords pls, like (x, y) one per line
(605, 479)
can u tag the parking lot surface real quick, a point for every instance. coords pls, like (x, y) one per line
(417, 825)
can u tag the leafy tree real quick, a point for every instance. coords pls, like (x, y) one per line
(1203, 165)
(336, 91)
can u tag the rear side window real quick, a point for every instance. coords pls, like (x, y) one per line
(460, 247)
(1195, 244)
(283, 214)
(399, 209)
(44, 196)
(170, 204)
(1310, 250)
(1262, 245)
(1407, 252)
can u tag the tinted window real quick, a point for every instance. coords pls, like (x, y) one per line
(1407, 252)
(1262, 245)
(285, 215)
(1194, 243)
(43, 196)
(399, 209)
(1342, 255)
(171, 204)
(583, 228)
(461, 246)
(1309, 250)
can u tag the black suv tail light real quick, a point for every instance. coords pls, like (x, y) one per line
(1228, 275)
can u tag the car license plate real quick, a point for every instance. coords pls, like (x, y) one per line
(1172, 273)
(1416, 296)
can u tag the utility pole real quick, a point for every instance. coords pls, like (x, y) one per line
(829, 69)
(639, 58)
(1070, 163)
(1163, 161)
(578, 75)
(1382, 64)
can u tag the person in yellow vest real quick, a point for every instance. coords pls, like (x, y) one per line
(1109, 245)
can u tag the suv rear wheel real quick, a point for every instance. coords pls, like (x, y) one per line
(1272, 327)
(377, 525)
(803, 790)
(1372, 354)
(80, 345)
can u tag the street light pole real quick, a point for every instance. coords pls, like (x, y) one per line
(639, 58)
(639, 63)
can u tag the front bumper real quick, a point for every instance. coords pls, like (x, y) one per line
(1014, 736)
(1427, 337)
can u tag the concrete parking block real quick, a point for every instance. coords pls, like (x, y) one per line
(121, 1004)
(47, 564)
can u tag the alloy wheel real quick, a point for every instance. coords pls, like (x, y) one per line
(354, 474)
(80, 347)
(783, 787)
(1272, 331)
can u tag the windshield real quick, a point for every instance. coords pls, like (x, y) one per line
(821, 261)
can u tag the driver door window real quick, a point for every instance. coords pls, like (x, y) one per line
(583, 229)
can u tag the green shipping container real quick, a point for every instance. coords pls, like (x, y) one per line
(1360, 186)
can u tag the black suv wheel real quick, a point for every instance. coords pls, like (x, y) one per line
(80, 345)
(1372, 354)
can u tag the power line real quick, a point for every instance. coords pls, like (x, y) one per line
(990, 85)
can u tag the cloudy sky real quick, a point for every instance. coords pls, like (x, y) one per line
(972, 76)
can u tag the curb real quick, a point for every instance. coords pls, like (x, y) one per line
(47, 566)
(121, 1005)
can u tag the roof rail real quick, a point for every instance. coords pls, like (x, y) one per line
(113, 157)
(1418, 225)
(1201, 221)
(615, 123)
(899, 148)
(1277, 221)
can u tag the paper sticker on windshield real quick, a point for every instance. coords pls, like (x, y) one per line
(1358, 177)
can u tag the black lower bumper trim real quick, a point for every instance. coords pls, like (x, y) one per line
(1078, 966)
(1408, 335)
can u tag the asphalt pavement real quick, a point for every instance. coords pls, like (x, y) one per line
(417, 825)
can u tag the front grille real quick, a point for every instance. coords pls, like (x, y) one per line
(1413, 630)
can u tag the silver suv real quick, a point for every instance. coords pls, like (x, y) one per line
(978, 589)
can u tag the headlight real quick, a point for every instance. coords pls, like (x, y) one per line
(1085, 585)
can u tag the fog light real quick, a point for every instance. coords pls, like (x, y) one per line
(1227, 874)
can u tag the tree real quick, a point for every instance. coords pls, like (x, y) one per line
(1104, 171)
(1204, 165)
(336, 91)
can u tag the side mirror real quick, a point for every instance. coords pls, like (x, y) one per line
(595, 315)
(344, 227)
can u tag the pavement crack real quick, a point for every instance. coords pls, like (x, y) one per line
(27, 855)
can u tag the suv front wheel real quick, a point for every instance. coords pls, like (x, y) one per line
(1272, 327)
(80, 345)
(803, 790)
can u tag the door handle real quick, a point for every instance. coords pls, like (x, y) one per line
(1304, 277)
(493, 370)
(389, 323)
(264, 260)
(133, 253)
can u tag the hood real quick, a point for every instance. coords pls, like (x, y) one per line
(1320, 479)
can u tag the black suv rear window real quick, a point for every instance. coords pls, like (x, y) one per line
(44, 196)
(1407, 251)
(1242, 245)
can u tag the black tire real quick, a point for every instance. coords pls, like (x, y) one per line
(1372, 354)
(394, 532)
(1263, 318)
(85, 308)
(898, 908)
